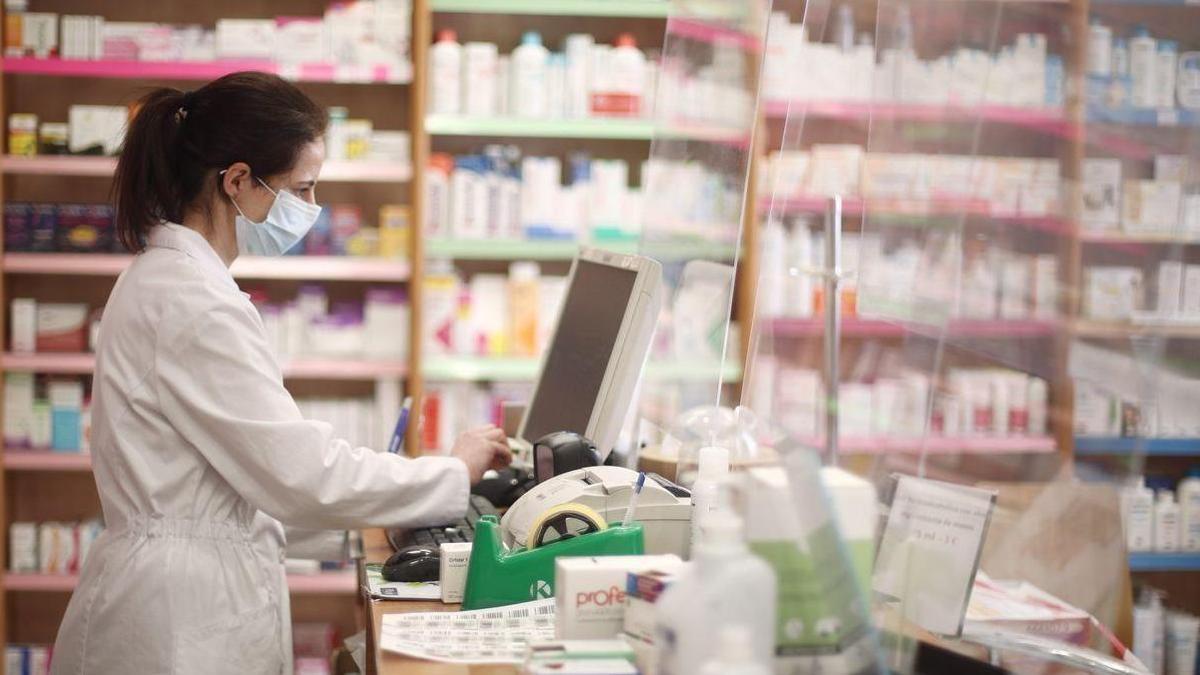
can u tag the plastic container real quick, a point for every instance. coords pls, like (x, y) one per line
(1189, 510)
(1148, 630)
(725, 585)
(1182, 632)
(713, 470)
(445, 74)
(479, 78)
(736, 654)
(1166, 522)
(1164, 78)
(1187, 80)
(529, 77)
(1143, 68)
(1099, 49)
(577, 47)
(1139, 517)
(628, 78)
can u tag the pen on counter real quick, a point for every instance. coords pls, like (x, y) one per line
(397, 442)
(633, 499)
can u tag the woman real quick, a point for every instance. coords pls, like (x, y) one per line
(206, 469)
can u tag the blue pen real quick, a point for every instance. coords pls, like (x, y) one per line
(397, 442)
(633, 499)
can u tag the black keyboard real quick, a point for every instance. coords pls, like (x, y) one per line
(462, 531)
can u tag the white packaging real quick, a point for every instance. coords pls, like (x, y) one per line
(446, 75)
(1139, 518)
(1170, 288)
(1187, 80)
(1164, 78)
(590, 592)
(577, 666)
(1182, 632)
(440, 313)
(93, 126)
(528, 77)
(1191, 290)
(1099, 49)
(799, 402)
(1189, 510)
(1101, 181)
(385, 322)
(1167, 535)
(480, 63)
(245, 38)
(578, 93)
(455, 558)
(773, 274)
(556, 86)
(24, 325)
(1143, 69)
(18, 410)
(1150, 205)
(1045, 286)
(1095, 411)
(300, 40)
(23, 547)
(1016, 271)
(628, 76)
(799, 293)
(1149, 624)
(1112, 293)
(1038, 402)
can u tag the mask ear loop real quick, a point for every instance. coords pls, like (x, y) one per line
(222, 172)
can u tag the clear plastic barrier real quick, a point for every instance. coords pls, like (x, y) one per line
(977, 283)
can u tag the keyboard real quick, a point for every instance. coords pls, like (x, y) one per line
(462, 531)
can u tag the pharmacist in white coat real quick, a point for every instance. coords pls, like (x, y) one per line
(208, 474)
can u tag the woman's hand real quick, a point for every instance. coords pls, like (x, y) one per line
(481, 449)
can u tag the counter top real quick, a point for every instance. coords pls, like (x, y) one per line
(380, 662)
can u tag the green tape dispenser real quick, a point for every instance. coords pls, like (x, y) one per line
(498, 576)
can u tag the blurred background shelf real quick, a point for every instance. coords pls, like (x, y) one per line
(1044, 119)
(918, 209)
(535, 249)
(302, 268)
(347, 171)
(515, 369)
(46, 460)
(613, 129)
(310, 369)
(324, 583)
(655, 9)
(1141, 117)
(941, 445)
(859, 327)
(1164, 562)
(1159, 447)
(202, 70)
(1118, 331)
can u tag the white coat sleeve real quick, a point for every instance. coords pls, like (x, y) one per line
(220, 386)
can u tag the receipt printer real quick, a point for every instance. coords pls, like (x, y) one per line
(664, 509)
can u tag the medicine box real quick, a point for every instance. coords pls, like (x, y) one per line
(1101, 179)
(590, 592)
(455, 558)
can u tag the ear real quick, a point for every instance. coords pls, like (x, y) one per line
(236, 179)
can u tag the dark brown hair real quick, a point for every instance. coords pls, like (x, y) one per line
(177, 142)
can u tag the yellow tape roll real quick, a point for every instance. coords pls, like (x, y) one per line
(564, 521)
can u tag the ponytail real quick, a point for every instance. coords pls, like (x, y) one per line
(177, 142)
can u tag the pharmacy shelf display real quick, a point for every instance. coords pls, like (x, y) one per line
(1150, 447)
(1164, 562)
(499, 369)
(338, 171)
(650, 9)
(204, 71)
(300, 268)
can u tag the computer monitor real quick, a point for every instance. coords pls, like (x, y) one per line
(598, 350)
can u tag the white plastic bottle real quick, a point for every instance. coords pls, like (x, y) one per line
(1149, 623)
(1143, 66)
(1038, 401)
(528, 77)
(1099, 52)
(712, 468)
(479, 75)
(1139, 520)
(1166, 522)
(724, 584)
(735, 655)
(628, 78)
(1189, 510)
(445, 74)
(1168, 61)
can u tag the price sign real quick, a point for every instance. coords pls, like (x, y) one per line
(930, 551)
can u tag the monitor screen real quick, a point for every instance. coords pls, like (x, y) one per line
(574, 368)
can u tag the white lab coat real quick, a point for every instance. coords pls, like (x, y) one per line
(202, 459)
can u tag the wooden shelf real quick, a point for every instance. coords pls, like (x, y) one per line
(204, 70)
(512, 369)
(346, 171)
(1087, 328)
(46, 460)
(1040, 119)
(307, 369)
(958, 328)
(324, 583)
(630, 9)
(301, 268)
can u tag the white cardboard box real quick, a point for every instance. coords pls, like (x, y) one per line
(590, 592)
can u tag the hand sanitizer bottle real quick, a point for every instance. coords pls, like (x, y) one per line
(724, 584)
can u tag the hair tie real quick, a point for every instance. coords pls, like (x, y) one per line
(185, 104)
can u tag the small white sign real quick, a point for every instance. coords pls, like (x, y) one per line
(930, 550)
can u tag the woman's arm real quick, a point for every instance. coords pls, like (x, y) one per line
(220, 387)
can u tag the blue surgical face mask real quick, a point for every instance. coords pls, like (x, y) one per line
(288, 220)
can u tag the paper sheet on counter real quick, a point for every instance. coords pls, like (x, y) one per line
(497, 635)
(378, 587)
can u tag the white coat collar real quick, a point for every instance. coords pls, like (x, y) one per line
(194, 245)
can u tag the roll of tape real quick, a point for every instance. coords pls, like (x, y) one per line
(563, 522)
